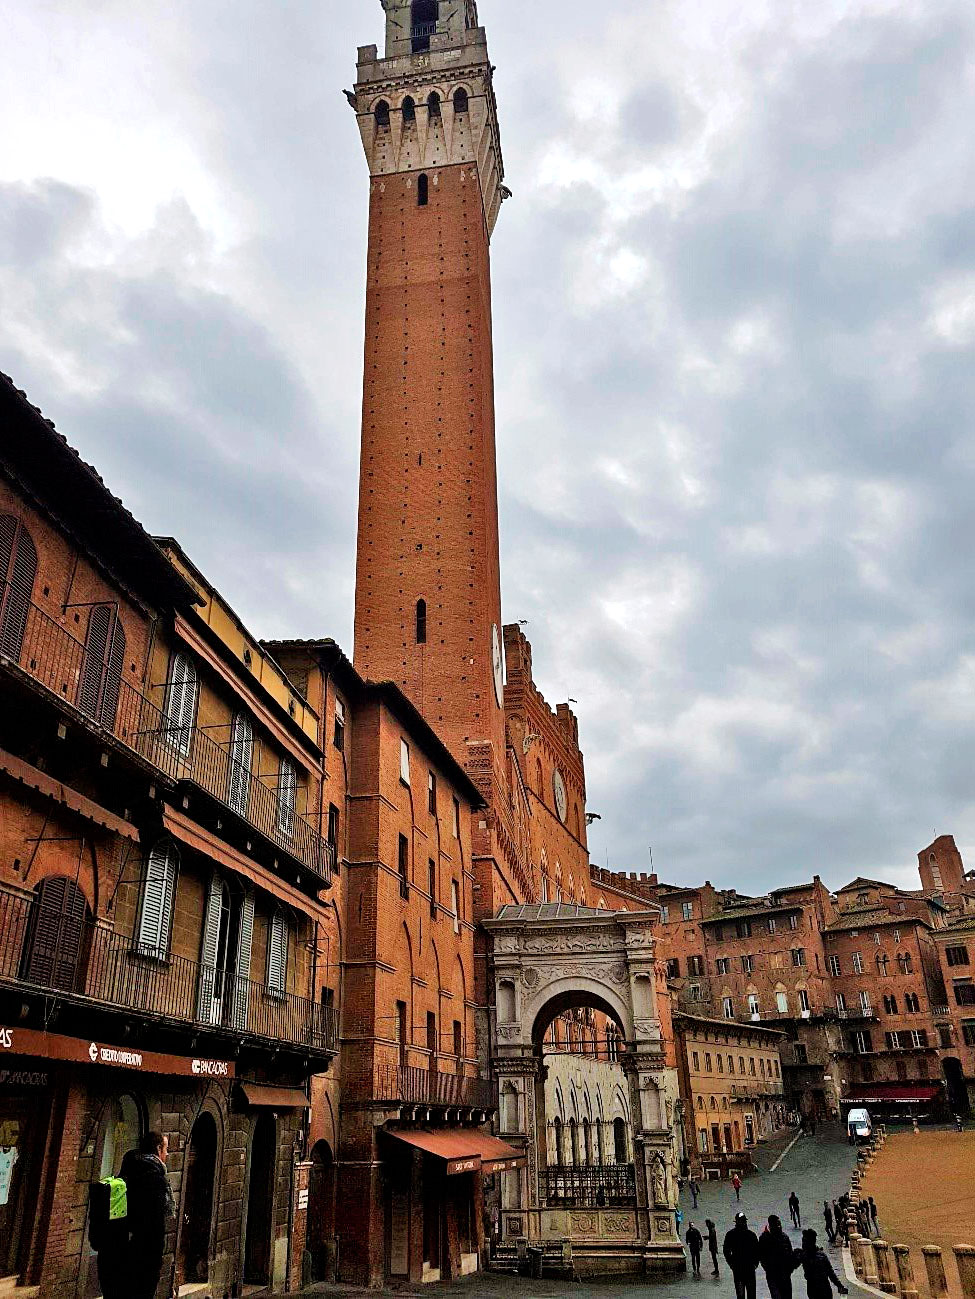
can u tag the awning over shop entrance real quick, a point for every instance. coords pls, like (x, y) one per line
(275, 1098)
(891, 1094)
(462, 1150)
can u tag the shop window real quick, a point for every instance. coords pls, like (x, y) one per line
(18, 570)
(156, 907)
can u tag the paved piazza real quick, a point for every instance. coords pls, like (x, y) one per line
(816, 1168)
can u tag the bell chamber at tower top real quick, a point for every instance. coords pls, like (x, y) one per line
(419, 25)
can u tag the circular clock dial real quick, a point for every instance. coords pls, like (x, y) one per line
(498, 665)
(558, 789)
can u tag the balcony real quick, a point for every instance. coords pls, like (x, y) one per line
(103, 701)
(51, 657)
(414, 1085)
(209, 766)
(91, 966)
(857, 1012)
(941, 1012)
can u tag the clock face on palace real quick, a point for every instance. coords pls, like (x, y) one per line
(558, 789)
(498, 665)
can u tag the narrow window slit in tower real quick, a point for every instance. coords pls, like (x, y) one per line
(422, 191)
(421, 622)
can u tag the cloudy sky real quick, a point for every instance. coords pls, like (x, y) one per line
(735, 315)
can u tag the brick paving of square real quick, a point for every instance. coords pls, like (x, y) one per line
(924, 1186)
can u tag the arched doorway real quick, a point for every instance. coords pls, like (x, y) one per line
(119, 1131)
(958, 1101)
(321, 1212)
(200, 1167)
(260, 1200)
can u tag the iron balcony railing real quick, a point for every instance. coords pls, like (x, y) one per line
(422, 31)
(940, 1012)
(46, 950)
(589, 1187)
(857, 1012)
(60, 662)
(414, 1085)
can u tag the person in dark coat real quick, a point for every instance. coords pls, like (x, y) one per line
(817, 1269)
(872, 1210)
(741, 1255)
(777, 1257)
(828, 1219)
(694, 1188)
(794, 1210)
(712, 1244)
(150, 1203)
(695, 1243)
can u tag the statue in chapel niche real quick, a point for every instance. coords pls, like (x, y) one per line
(658, 1182)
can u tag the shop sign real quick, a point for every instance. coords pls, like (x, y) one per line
(52, 1046)
(463, 1165)
(303, 1199)
(501, 1165)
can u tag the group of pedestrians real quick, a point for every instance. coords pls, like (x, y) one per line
(773, 1251)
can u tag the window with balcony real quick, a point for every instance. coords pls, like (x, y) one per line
(278, 943)
(287, 797)
(57, 928)
(240, 762)
(18, 570)
(865, 1005)
(182, 689)
(228, 934)
(156, 903)
(956, 955)
(101, 668)
(403, 866)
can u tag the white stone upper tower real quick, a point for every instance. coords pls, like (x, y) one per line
(430, 101)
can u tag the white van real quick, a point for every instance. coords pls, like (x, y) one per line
(859, 1126)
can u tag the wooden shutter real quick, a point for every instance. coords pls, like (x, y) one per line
(55, 948)
(242, 981)
(287, 792)
(114, 666)
(18, 568)
(157, 901)
(277, 954)
(208, 1007)
(241, 757)
(181, 701)
(93, 665)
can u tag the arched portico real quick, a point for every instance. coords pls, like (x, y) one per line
(549, 958)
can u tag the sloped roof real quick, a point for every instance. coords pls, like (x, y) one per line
(550, 911)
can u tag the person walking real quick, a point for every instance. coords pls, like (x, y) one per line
(828, 1219)
(794, 1210)
(736, 1183)
(741, 1254)
(872, 1210)
(817, 1269)
(150, 1204)
(695, 1243)
(839, 1221)
(712, 1245)
(694, 1189)
(777, 1257)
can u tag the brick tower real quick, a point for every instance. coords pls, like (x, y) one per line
(428, 602)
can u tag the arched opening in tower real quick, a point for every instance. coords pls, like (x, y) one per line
(423, 23)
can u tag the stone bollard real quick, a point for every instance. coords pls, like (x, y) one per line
(869, 1256)
(934, 1265)
(856, 1253)
(885, 1275)
(905, 1273)
(965, 1258)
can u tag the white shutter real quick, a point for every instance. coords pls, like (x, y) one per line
(181, 701)
(240, 761)
(287, 793)
(157, 901)
(208, 1007)
(242, 981)
(277, 954)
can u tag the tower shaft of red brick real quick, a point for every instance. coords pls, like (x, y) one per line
(428, 605)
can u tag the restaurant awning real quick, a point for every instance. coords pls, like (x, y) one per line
(891, 1094)
(275, 1098)
(462, 1149)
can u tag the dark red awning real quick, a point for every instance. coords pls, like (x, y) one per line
(462, 1149)
(881, 1093)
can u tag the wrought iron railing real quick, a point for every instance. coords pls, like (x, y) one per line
(857, 1012)
(41, 949)
(589, 1187)
(55, 658)
(421, 31)
(414, 1085)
